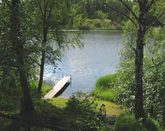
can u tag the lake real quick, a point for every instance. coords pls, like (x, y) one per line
(99, 56)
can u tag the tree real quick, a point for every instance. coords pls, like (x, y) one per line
(18, 48)
(13, 43)
(140, 19)
(8, 79)
(48, 17)
(153, 72)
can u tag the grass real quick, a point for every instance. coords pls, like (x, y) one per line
(60, 102)
(106, 81)
(52, 112)
(105, 87)
(106, 94)
(111, 108)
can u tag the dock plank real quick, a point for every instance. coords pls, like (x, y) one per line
(58, 87)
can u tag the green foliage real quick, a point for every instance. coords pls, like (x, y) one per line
(101, 15)
(94, 9)
(84, 108)
(152, 125)
(33, 88)
(153, 68)
(9, 74)
(4, 124)
(77, 21)
(96, 24)
(127, 122)
(10, 92)
(154, 75)
(86, 24)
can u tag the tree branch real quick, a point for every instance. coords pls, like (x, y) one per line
(50, 10)
(129, 9)
(150, 5)
(156, 64)
(40, 7)
(121, 13)
(35, 61)
(156, 20)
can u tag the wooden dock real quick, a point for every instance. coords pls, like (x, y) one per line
(58, 88)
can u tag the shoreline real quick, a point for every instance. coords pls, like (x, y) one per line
(93, 30)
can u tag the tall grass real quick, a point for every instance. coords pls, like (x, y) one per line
(105, 87)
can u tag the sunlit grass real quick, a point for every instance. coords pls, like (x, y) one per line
(106, 94)
(111, 108)
(105, 87)
(59, 102)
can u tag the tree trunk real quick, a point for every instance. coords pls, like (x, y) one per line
(45, 32)
(163, 119)
(139, 54)
(41, 72)
(17, 44)
(27, 106)
(139, 111)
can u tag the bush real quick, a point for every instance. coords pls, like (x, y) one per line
(84, 109)
(127, 122)
(84, 27)
(95, 24)
(152, 125)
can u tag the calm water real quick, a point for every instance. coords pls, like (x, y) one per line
(99, 56)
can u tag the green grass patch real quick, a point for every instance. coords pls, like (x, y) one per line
(111, 108)
(106, 82)
(59, 102)
(105, 87)
(106, 94)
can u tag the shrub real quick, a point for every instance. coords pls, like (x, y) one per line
(84, 27)
(127, 122)
(84, 109)
(152, 125)
(95, 24)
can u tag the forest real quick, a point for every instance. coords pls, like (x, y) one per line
(37, 33)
